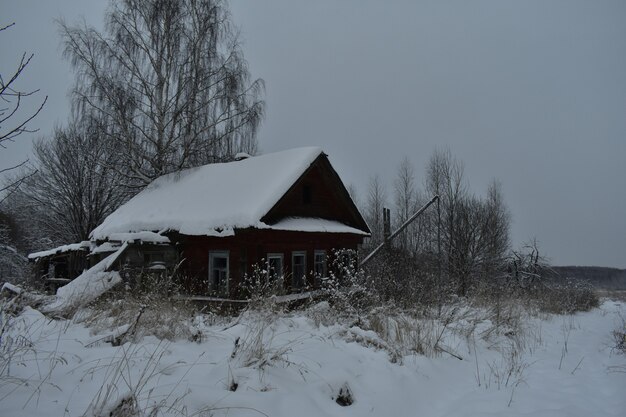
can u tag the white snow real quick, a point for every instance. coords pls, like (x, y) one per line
(242, 155)
(107, 337)
(144, 236)
(61, 249)
(106, 247)
(7, 286)
(88, 286)
(287, 365)
(311, 224)
(212, 199)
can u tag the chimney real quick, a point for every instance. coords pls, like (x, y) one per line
(386, 223)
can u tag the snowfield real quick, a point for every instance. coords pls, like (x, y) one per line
(304, 363)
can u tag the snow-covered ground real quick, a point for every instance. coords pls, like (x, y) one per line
(293, 364)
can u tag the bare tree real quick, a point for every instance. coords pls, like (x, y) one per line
(170, 83)
(13, 120)
(467, 243)
(424, 228)
(448, 249)
(376, 200)
(13, 264)
(480, 239)
(474, 231)
(444, 177)
(406, 204)
(497, 230)
(74, 188)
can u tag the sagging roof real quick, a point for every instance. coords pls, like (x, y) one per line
(72, 247)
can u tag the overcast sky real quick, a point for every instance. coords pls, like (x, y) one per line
(532, 93)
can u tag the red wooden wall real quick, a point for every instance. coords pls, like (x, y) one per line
(249, 247)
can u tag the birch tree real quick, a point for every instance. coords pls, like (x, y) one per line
(444, 177)
(169, 81)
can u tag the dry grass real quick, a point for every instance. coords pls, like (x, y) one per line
(619, 336)
(158, 316)
(617, 295)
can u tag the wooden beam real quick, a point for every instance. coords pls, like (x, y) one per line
(400, 229)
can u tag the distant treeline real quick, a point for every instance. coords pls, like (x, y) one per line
(599, 277)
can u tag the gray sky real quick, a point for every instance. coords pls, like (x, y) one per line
(532, 93)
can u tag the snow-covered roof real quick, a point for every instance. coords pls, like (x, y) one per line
(106, 247)
(215, 199)
(118, 239)
(309, 224)
(84, 245)
(144, 236)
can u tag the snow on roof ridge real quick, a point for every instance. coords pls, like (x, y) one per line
(193, 201)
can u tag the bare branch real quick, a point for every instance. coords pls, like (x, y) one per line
(12, 97)
(170, 80)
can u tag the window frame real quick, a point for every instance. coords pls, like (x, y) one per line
(324, 274)
(275, 255)
(302, 280)
(221, 254)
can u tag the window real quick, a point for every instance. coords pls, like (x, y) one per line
(319, 265)
(274, 267)
(298, 266)
(153, 255)
(218, 272)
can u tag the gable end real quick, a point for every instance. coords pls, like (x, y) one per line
(318, 193)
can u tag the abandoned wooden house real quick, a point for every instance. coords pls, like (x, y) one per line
(58, 266)
(282, 213)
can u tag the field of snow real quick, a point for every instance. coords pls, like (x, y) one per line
(271, 364)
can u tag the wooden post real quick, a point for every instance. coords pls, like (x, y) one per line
(386, 223)
(439, 256)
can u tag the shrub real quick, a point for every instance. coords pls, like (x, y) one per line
(258, 285)
(564, 296)
(406, 279)
(347, 288)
